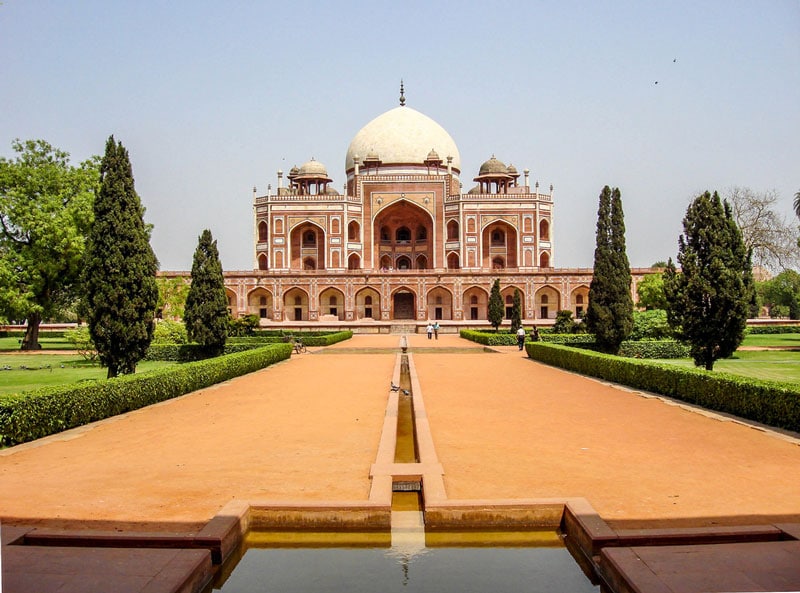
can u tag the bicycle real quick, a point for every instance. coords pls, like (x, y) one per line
(299, 347)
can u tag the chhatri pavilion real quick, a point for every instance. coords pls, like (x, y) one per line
(404, 243)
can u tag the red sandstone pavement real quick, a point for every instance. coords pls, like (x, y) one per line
(307, 430)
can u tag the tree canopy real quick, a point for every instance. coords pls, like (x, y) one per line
(650, 291)
(782, 291)
(709, 299)
(516, 311)
(771, 240)
(610, 312)
(45, 213)
(206, 313)
(120, 268)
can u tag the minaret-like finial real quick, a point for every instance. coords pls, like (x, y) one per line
(402, 94)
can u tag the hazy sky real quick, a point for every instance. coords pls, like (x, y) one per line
(211, 98)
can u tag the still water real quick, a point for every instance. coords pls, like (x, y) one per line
(386, 570)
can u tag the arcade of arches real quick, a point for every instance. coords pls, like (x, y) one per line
(405, 302)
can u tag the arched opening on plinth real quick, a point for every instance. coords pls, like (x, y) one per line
(404, 304)
(440, 304)
(259, 302)
(331, 303)
(475, 303)
(295, 304)
(368, 304)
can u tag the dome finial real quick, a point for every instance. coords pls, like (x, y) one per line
(402, 94)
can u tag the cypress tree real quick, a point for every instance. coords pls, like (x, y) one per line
(516, 312)
(610, 312)
(120, 267)
(206, 312)
(709, 299)
(496, 308)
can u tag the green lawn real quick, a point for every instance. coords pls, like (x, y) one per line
(47, 343)
(53, 369)
(784, 340)
(773, 365)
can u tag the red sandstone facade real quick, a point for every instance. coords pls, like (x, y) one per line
(403, 242)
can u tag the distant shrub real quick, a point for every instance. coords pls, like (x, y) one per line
(170, 332)
(81, 340)
(650, 325)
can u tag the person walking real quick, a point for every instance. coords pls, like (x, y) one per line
(429, 330)
(521, 337)
(436, 330)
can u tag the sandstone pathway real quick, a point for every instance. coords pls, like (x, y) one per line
(308, 429)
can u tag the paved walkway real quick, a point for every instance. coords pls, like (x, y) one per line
(308, 429)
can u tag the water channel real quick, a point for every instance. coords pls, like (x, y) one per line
(410, 560)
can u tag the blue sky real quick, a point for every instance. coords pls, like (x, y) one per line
(211, 98)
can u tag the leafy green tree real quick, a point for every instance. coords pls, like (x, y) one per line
(651, 292)
(516, 311)
(496, 306)
(172, 293)
(206, 313)
(650, 325)
(709, 300)
(120, 268)
(45, 213)
(782, 291)
(609, 315)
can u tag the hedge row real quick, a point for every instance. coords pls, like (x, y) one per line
(192, 352)
(20, 333)
(773, 329)
(772, 403)
(53, 409)
(654, 349)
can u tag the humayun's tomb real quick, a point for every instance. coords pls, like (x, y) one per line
(403, 244)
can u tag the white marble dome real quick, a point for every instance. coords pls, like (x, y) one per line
(402, 136)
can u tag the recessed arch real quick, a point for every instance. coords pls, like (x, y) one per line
(233, 310)
(307, 241)
(404, 303)
(331, 302)
(439, 303)
(508, 299)
(263, 262)
(580, 300)
(544, 230)
(453, 261)
(259, 302)
(368, 304)
(544, 260)
(452, 230)
(353, 231)
(354, 262)
(547, 301)
(499, 250)
(404, 229)
(475, 302)
(295, 304)
(263, 231)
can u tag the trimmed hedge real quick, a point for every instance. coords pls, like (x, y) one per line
(772, 403)
(631, 349)
(654, 349)
(53, 409)
(20, 333)
(773, 329)
(489, 338)
(192, 352)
